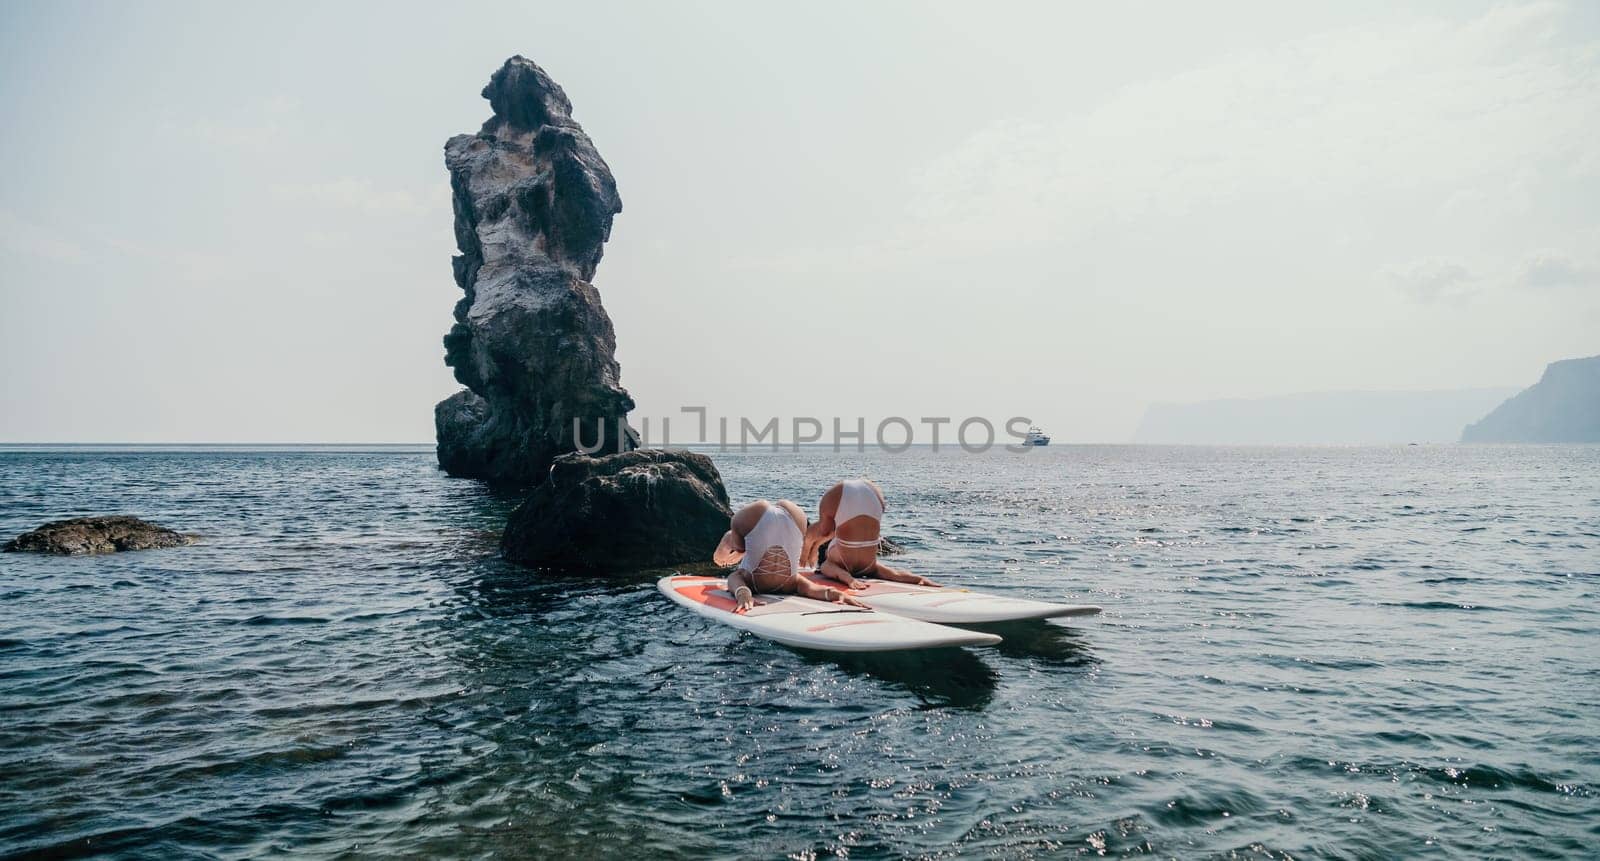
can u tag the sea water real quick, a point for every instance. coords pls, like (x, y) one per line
(1358, 652)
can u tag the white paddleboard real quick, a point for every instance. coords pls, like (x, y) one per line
(950, 605)
(810, 624)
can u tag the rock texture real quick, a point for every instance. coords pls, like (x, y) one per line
(1564, 406)
(533, 204)
(82, 536)
(624, 512)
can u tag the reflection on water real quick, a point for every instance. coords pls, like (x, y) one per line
(955, 678)
(1053, 642)
(1305, 651)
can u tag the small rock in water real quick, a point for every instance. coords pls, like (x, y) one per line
(82, 536)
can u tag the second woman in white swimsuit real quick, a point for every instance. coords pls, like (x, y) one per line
(850, 516)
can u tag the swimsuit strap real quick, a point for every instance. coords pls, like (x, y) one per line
(872, 542)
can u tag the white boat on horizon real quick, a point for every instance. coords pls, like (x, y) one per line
(1036, 436)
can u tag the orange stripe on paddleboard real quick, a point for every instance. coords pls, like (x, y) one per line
(700, 593)
(817, 628)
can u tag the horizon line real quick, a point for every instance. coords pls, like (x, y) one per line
(764, 447)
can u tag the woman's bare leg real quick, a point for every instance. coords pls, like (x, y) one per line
(808, 589)
(900, 575)
(832, 570)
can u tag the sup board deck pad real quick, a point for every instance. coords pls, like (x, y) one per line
(810, 624)
(951, 605)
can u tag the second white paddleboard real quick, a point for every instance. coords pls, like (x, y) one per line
(952, 606)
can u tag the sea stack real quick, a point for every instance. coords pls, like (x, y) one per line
(536, 351)
(533, 204)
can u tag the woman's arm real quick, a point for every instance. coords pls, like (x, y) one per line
(739, 585)
(820, 533)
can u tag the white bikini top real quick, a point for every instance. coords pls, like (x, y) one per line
(857, 498)
(775, 529)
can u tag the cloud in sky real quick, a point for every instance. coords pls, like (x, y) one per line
(1409, 105)
(1446, 280)
(260, 126)
(22, 237)
(1433, 280)
(1553, 269)
(360, 195)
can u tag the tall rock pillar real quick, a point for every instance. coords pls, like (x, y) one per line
(533, 204)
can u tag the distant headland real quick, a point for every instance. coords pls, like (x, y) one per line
(1564, 406)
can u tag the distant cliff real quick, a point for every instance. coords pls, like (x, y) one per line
(1334, 418)
(1564, 406)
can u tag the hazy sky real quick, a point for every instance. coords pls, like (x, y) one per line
(231, 222)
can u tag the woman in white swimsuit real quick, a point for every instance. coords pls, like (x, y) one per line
(765, 539)
(850, 516)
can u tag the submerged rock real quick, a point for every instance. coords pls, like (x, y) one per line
(82, 536)
(1564, 406)
(647, 508)
(533, 204)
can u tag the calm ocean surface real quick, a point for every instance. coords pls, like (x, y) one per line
(1345, 652)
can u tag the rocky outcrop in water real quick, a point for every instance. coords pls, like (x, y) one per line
(623, 512)
(82, 536)
(533, 204)
(1564, 406)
